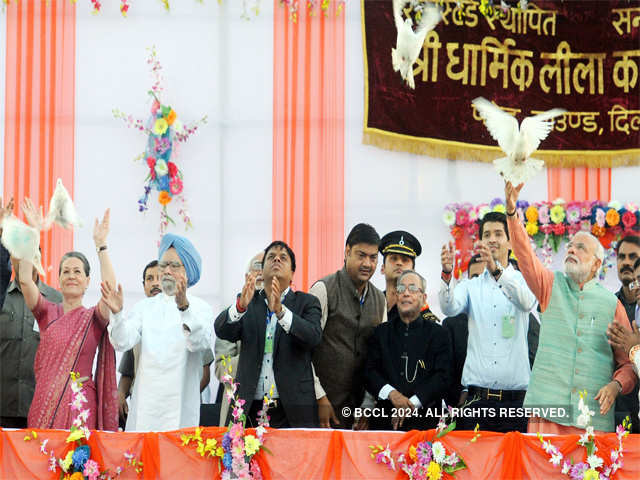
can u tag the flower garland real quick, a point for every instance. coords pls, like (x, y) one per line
(76, 462)
(424, 460)
(163, 128)
(594, 468)
(548, 224)
(235, 450)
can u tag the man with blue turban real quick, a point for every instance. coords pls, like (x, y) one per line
(174, 330)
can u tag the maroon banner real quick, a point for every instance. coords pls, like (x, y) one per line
(581, 56)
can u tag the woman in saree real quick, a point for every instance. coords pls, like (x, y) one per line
(70, 334)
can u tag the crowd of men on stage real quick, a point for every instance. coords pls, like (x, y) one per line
(516, 335)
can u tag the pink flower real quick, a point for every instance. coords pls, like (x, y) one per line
(543, 214)
(600, 217)
(236, 430)
(629, 219)
(546, 229)
(573, 214)
(558, 229)
(155, 107)
(91, 470)
(175, 185)
(462, 217)
(573, 228)
(585, 225)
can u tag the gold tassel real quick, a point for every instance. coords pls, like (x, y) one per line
(480, 153)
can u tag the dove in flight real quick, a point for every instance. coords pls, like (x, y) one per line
(22, 241)
(517, 142)
(409, 42)
(61, 209)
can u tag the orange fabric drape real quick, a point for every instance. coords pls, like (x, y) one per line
(316, 454)
(308, 139)
(39, 110)
(580, 183)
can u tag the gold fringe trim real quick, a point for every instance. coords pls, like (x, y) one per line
(481, 153)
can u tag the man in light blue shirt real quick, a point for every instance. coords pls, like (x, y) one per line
(497, 304)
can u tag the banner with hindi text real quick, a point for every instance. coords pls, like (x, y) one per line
(581, 56)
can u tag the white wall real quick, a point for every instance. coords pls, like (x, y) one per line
(395, 190)
(3, 53)
(214, 63)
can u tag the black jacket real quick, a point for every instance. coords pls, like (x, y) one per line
(291, 353)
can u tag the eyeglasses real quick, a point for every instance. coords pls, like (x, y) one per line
(412, 288)
(172, 265)
(256, 266)
(635, 285)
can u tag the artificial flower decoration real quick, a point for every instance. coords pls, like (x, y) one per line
(594, 468)
(76, 462)
(549, 224)
(236, 451)
(425, 460)
(163, 129)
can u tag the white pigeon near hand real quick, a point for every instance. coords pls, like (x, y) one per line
(61, 209)
(22, 241)
(409, 42)
(517, 142)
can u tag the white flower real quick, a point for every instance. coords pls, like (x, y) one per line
(161, 168)
(556, 459)
(584, 438)
(582, 421)
(594, 461)
(438, 452)
(615, 204)
(177, 126)
(449, 218)
(559, 201)
(590, 431)
(566, 467)
(614, 455)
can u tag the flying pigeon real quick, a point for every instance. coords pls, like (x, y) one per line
(22, 241)
(61, 209)
(409, 42)
(518, 143)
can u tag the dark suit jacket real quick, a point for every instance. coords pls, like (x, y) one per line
(426, 341)
(291, 353)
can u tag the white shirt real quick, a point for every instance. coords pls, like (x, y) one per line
(493, 361)
(166, 393)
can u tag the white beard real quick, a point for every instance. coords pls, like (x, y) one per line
(578, 272)
(168, 286)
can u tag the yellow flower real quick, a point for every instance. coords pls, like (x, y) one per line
(251, 445)
(591, 474)
(532, 214)
(198, 434)
(66, 463)
(75, 435)
(210, 446)
(185, 439)
(160, 126)
(412, 453)
(532, 228)
(201, 449)
(557, 214)
(220, 452)
(433, 471)
(77, 476)
(500, 208)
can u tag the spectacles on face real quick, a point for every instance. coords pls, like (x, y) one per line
(256, 266)
(412, 288)
(635, 285)
(174, 266)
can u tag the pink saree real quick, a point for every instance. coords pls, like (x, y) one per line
(68, 342)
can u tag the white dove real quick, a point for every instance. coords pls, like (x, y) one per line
(408, 42)
(517, 143)
(61, 209)
(22, 241)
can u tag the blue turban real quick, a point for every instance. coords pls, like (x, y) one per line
(187, 253)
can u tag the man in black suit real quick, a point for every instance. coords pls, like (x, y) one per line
(278, 329)
(408, 362)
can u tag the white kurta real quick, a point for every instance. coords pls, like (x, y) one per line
(166, 391)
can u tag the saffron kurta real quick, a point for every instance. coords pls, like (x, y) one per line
(166, 393)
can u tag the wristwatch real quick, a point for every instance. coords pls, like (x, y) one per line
(498, 270)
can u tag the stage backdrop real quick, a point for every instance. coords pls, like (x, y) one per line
(526, 62)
